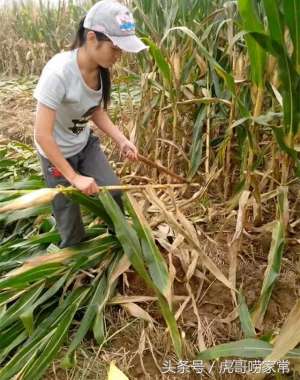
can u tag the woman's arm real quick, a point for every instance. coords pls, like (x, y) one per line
(43, 132)
(103, 122)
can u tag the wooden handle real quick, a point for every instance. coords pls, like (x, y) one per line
(161, 168)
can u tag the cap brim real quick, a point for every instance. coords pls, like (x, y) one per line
(131, 44)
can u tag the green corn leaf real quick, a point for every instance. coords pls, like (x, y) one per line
(90, 253)
(31, 275)
(126, 235)
(42, 362)
(7, 296)
(153, 258)
(159, 59)
(251, 22)
(99, 328)
(27, 315)
(8, 265)
(25, 214)
(23, 357)
(292, 19)
(21, 306)
(53, 319)
(289, 95)
(51, 291)
(100, 296)
(6, 163)
(14, 344)
(42, 335)
(114, 271)
(287, 75)
(197, 143)
(171, 323)
(91, 203)
(271, 273)
(2, 310)
(27, 184)
(9, 334)
(245, 318)
(27, 320)
(280, 139)
(45, 238)
(246, 348)
(87, 321)
(131, 245)
(275, 24)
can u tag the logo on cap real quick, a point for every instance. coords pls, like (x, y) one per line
(126, 22)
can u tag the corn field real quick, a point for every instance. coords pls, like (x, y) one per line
(199, 272)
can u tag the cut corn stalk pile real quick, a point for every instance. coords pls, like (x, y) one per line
(216, 102)
(48, 290)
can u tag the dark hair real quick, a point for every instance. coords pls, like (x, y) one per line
(79, 41)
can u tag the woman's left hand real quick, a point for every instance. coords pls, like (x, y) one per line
(129, 150)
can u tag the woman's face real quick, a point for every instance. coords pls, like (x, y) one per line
(103, 53)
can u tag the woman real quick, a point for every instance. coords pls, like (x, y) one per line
(74, 88)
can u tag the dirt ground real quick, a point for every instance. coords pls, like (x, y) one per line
(17, 107)
(137, 348)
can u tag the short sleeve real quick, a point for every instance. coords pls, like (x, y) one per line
(50, 89)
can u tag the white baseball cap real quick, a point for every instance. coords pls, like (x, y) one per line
(115, 21)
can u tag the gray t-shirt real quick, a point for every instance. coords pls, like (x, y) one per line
(61, 87)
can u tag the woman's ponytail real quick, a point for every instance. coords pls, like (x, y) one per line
(79, 41)
(106, 83)
(80, 37)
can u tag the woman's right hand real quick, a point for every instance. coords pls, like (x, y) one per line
(86, 185)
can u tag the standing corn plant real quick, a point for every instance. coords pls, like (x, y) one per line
(281, 40)
(177, 89)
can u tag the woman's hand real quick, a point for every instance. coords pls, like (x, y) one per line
(86, 185)
(128, 149)
(103, 122)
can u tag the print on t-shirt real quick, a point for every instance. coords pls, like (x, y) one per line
(80, 124)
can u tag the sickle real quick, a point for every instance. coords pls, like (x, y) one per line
(162, 168)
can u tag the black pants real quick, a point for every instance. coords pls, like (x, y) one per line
(90, 162)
